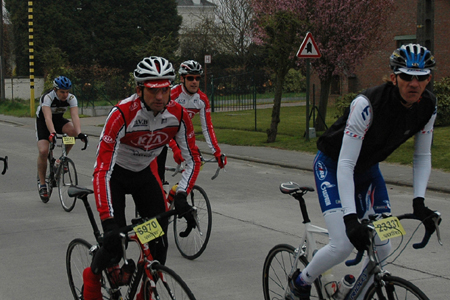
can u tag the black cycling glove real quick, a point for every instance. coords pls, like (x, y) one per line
(112, 241)
(424, 214)
(357, 233)
(183, 209)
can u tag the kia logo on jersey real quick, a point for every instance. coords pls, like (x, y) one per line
(107, 139)
(149, 140)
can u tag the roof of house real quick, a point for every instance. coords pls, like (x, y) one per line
(191, 3)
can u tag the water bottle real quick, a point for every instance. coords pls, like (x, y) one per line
(126, 272)
(344, 286)
(172, 193)
(329, 283)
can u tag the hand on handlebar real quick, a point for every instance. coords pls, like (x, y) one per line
(177, 157)
(221, 159)
(357, 233)
(424, 214)
(52, 137)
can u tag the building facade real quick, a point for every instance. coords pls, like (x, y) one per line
(403, 28)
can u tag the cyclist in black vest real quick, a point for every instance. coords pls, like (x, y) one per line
(348, 179)
(50, 120)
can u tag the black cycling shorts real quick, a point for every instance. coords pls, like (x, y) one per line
(42, 130)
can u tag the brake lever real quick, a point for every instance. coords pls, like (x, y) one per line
(177, 170)
(437, 220)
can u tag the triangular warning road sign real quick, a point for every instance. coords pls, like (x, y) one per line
(308, 48)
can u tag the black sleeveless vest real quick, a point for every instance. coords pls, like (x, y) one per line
(392, 124)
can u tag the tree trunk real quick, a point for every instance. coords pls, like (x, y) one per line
(272, 132)
(323, 104)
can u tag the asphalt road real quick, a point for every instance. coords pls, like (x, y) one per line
(250, 216)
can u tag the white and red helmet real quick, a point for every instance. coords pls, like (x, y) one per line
(154, 72)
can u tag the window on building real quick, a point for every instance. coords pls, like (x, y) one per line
(336, 85)
(405, 39)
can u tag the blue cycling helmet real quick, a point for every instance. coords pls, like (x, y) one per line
(62, 82)
(412, 57)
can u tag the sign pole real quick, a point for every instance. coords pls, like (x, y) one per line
(308, 49)
(307, 98)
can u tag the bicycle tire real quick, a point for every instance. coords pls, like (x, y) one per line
(66, 180)
(192, 246)
(166, 284)
(395, 288)
(277, 267)
(78, 258)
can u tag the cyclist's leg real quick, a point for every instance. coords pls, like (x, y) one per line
(373, 189)
(42, 135)
(150, 201)
(338, 247)
(67, 128)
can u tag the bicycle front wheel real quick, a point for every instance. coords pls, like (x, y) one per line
(394, 288)
(166, 284)
(67, 178)
(277, 268)
(78, 258)
(195, 243)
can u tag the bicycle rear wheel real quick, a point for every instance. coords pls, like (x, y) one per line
(277, 268)
(195, 243)
(78, 258)
(67, 177)
(395, 288)
(166, 284)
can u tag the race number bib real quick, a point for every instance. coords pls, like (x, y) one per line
(388, 228)
(68, 140)
(148, 231)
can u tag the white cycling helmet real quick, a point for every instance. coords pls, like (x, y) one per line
(190, 67)
(154, 72)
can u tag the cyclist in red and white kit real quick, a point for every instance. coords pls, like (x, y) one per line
(348, 179)
(135, 132)
(189, 95)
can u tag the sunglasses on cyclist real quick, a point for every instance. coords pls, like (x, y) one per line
(408, 77)
(155, 91)
(192, 78)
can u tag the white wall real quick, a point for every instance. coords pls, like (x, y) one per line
(19, 87)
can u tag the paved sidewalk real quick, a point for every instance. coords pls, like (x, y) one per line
(393, 173)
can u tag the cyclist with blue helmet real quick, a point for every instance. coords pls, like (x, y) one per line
(50, 120)
(348, 179)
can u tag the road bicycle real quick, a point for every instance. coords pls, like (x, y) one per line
(149, 281)
(283, 259)
(193, 245)
(63, 175)
(5, 164)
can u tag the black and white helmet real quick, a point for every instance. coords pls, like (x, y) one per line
(190, 67)
(412, 57)
(154, 68)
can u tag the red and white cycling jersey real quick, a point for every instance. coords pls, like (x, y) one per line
(133, 137)
(197, 104)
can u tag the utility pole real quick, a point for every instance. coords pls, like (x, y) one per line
(425, 27)
(2, 57)
(31, 55)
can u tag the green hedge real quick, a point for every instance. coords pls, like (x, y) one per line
(441, 90)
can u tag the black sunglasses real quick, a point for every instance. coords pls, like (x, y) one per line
(192, 78)
(408, 77)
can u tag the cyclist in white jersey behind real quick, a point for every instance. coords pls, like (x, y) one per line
(189, 95)
(50, 120)
(348, 180)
